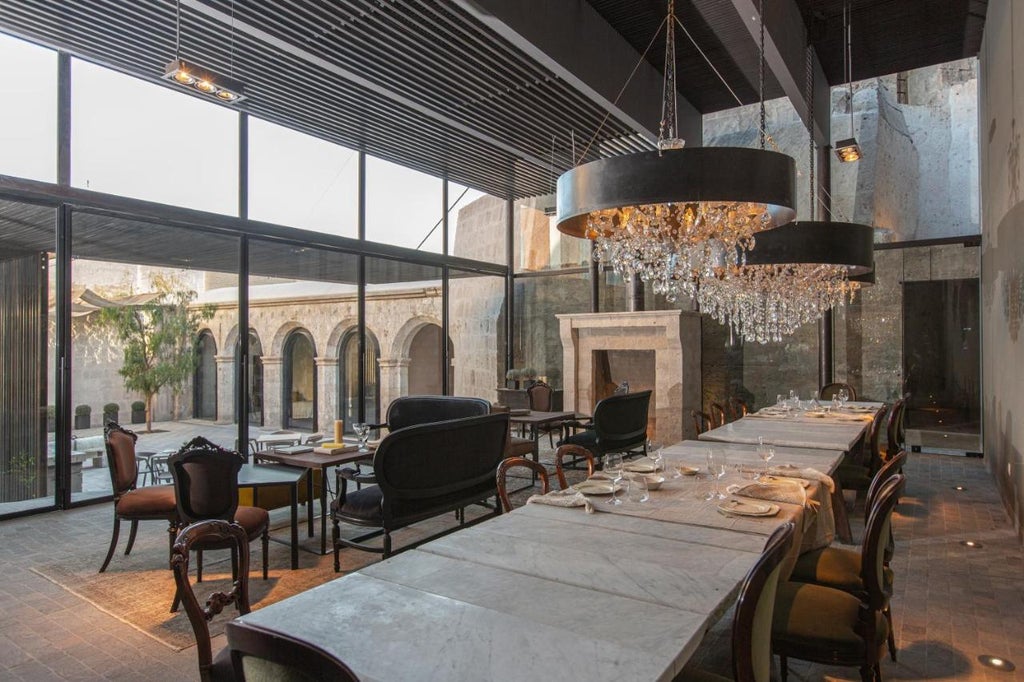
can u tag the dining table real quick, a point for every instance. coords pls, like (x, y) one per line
(617, 592)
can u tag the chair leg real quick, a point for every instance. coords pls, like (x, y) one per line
(234, 564)
(387, 544)
(336, 537)
(199, 565)
(266, 548)
(892, 633)
(172, 535)
(113, 543)
(783, 668)
(867, 673)
(131, 537)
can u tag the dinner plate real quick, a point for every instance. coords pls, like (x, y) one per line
(749, 508)
(640, 467)
(596, 486)
(687, 471)
(785, 479)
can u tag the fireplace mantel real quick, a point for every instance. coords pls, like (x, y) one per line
(673, 335)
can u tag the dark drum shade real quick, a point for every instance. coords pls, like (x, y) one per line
(849, 244)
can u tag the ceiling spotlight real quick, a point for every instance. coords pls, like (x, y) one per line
(972, 544)
(199, 78)
(997, 663)
(848, 150)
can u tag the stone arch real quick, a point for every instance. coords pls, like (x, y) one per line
(299, 380)
(284, 332)
(402, 342)
(337, 334)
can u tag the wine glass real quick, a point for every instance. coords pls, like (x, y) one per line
(362, 432)
(766, 453)
(658, 457)
(844, 395)
(815, 403)
(716, 465)
(613, 472)
(653, 447)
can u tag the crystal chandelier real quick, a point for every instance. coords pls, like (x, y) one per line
(673, 215)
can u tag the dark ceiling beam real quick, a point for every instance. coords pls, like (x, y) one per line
(572, 40)
(784, 48)
(360, 80)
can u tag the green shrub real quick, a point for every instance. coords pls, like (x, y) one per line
(82, 410)
(111, 407)
(138, 406)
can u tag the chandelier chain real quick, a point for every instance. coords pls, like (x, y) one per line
(809, 84)
(760, 76)
(669, 92)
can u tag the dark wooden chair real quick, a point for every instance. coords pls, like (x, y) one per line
(421, 472)
(737, 408)
(895, 431)
(258, 655)
(813, 622)
(702, 421)
(516, 447)
(577, 453)
(131, 503)
(541, 400)
(717, 413)
(212, 532)
(856, 473)
(828, 391)
(620, 425)
(751, 621)
(206, 487)
(511, 462)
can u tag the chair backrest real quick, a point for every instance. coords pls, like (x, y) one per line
(258, 655)
(205, 480)
(511, 462)
(621, 421)
(426, 468)
(540, 395)
(752, 621)
(737, 408)
(425, 409)
(717, 413)
(206, 532)
(872, 444)
(120, 445)
(829, 390)
(894, 432)
(701, 421)
(877, 534)
(569, 450)
(893, 466)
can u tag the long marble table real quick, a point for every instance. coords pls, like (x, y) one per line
(826, 436)
(607, 596)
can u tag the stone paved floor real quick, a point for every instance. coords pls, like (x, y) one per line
(952, 603)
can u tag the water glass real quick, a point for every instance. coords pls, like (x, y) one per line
(613, 472)
(636, 488)
(844, 395)
(362, 432)
(716, 465)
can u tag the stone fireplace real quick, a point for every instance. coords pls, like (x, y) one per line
(655, 349)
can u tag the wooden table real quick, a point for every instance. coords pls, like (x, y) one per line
(312, 461)
(258, 476)
(535, 420)
(608, 596)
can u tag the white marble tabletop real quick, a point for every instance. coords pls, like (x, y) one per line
(693, 452)
(820, 435)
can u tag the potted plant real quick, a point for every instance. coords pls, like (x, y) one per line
(51, 418)
(110, 411)
(138, 412)
(529, 376)
(83, 416)
(513, 376)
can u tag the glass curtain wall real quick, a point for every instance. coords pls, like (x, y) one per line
(403, 207)
(28, 117)
(154, 308)
(28, 463)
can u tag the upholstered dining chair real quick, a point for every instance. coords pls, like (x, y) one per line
(702, 421)
(895, 431)
(751, 621)
(206, 533)
(206, 487)
(510, 463)
(259, 655)
(619, 425)
(517, 446)
(856, 473)
(542, 400)
(823, 624)
(149, 503)
(828, 391)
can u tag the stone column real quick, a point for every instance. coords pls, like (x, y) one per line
(225, 388)
(272, 378)
(327, 395)
(394, 380)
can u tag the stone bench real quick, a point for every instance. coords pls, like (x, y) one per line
(92, 447)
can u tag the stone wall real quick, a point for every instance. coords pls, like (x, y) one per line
(1002, 184)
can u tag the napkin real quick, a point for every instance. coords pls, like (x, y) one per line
(791, 493)
(808, 473)
(563, 498)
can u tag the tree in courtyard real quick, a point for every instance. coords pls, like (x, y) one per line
(158, 338)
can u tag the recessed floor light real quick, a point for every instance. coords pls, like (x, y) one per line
(959, 488)
(972, 544)
(997, 663)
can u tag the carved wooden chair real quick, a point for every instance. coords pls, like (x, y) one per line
(717, 413)
(206, 486)
(206, 533)
(895, 433)
(149, 503)
(576, 452)
(259, 655)
(511, 462)
(857, 473)
(828, 391)
(751, 621)
(542, 400)
(702, 421)
(858, 629)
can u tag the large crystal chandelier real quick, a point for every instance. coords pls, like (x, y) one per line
(674, 215)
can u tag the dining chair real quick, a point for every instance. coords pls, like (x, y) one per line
(205, 533)
(619, 425)
(717, 413)
(517, 446)
(511, 462)
(856, 473)
(895, 431)
(577, 453)
(259, 655)
(131, 503)
(752, 617)
(737, 408)
(841, 568)
(702, 421)
(825, 624)
(828, 391)
(206, 487)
